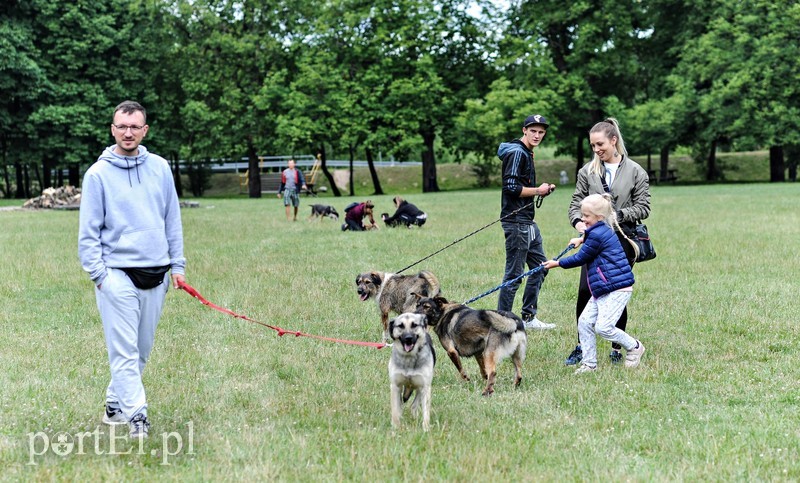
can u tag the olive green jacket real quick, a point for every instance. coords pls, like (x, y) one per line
(630, 189)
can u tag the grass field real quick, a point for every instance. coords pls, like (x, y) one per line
(716, 397)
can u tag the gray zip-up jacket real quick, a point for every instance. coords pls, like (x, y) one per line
(630, 190)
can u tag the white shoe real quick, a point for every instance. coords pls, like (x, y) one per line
(536, 324)
(634, 356)
(114, 415)
(584, 369)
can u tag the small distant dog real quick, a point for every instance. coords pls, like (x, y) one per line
(394, 292)
(489, 335)
(320, 211)
(411, 366)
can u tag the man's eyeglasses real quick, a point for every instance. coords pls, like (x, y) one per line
(123, 128)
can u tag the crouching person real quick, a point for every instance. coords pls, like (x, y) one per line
(407, 214)
(356, 213)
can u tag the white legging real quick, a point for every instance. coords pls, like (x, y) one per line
(600, 315)
(130, 316)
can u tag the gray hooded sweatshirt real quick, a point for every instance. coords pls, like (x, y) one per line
(130, 216)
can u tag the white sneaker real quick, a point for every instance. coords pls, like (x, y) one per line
(536, 324)
(584, 369)
(114, 415)
(634, 356)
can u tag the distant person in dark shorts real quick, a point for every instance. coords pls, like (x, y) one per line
(407, 214)
(355, 215)
(291, 178)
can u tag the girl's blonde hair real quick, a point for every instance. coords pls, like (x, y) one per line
(609, 127)
(602, 206)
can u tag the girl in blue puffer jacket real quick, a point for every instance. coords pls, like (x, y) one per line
(610, 281)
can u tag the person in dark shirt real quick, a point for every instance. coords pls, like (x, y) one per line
(407, 214)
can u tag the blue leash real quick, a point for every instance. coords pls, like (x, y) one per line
(506, 284)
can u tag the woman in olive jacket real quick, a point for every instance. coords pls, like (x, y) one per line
(612, 171)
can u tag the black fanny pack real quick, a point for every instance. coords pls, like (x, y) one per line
(147, 277)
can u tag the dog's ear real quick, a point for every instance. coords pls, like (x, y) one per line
(424, 320)
(358, 277)
(440, 300)
(391, 329)
(376, 278)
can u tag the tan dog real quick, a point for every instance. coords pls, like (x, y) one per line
(489, 335)
(394, 293)
(411, 366)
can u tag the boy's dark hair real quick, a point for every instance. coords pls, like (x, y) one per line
(129, 107)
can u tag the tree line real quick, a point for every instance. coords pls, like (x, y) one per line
(416, 79)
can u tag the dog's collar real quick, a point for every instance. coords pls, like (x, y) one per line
(386, 277)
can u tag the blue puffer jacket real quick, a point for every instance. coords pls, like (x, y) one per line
(608, 268)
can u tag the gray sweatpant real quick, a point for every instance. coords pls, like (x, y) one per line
(130, 316)
(600, 315)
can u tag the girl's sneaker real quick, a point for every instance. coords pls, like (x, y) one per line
(634, 356)
(585, 368)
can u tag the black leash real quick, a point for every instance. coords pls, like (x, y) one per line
(538, 201)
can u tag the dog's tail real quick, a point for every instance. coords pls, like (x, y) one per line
(433, 283)
(505, 322)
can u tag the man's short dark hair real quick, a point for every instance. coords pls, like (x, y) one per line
(129, 107)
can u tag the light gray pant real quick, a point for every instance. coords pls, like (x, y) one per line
(600, 315)
(130, 316)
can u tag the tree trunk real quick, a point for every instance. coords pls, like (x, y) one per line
(27, 171)
(20, 180)
(776, 165)
(47, 175)
(7, 189)
(324, 166)
(792, 153)
(74, 174)
(580, 154)
(352, 184)
(664, 162)
(176, 174)
(712, 173)
(38, 178)
(429, 184)
(373, 173)
(254, 172)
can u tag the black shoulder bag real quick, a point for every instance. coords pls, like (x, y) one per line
(637, 235)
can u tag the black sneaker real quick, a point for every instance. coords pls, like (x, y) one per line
(575, 356)
(615, 357)
(140, 426)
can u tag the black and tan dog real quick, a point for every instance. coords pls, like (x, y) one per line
(488, 335)
(320, 211)
(411, 366)
(394, 293)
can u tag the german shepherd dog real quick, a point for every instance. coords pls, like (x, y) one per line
(411, 366)
(394, 292)
(320, 211)
(489, 335)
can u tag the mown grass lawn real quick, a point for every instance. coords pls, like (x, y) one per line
(716, 397)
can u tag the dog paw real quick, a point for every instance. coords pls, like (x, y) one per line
(487, 392)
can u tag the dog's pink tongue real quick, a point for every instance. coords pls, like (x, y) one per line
(364, 296)
(408, 347)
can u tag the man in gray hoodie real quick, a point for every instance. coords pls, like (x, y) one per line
(129, 237)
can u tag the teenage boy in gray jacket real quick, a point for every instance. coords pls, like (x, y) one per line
(129, 237)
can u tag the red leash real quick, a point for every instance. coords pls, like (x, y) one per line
(281, 332)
